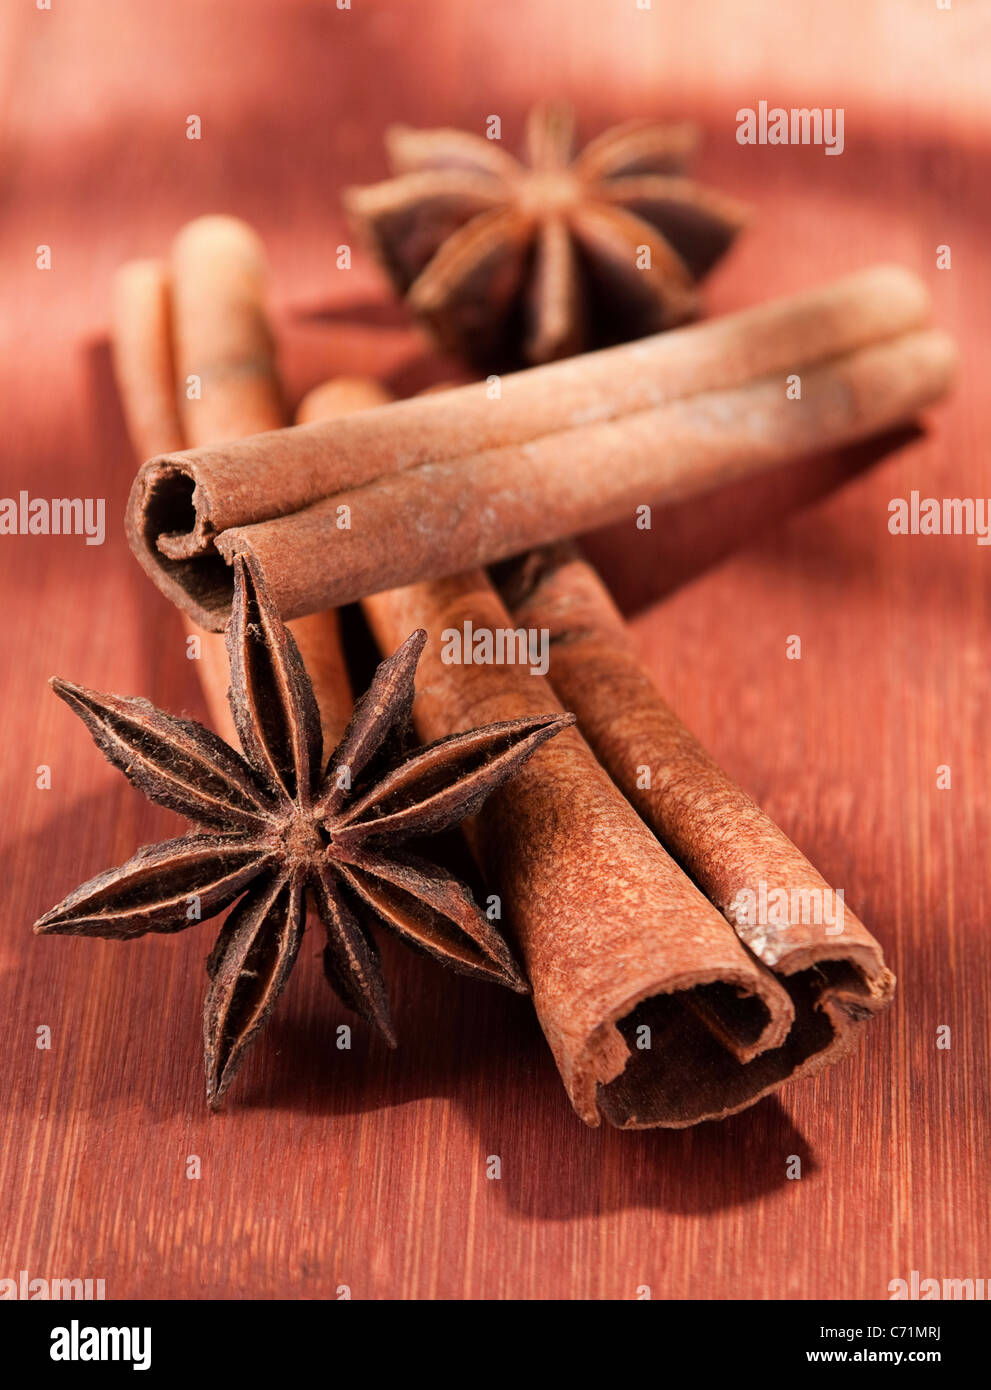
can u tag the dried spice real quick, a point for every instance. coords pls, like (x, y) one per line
(276, 826)
(569, 446)
(509, 261)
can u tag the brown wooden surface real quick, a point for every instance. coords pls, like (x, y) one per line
(367, 1168)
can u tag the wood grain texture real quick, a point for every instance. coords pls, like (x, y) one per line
(365, 1168)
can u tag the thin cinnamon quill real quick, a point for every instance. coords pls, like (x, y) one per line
(144, 367)
(326, 508)
(195, 361)
(781, 907)
(141, 340)
(655, 1013)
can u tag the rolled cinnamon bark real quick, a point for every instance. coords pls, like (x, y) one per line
(833, 967)
(230, 387)
(438, 519)
(141, 343)
(194, 361)
(228, 383)
(655, 1013)
(563, 447)
(143, 355)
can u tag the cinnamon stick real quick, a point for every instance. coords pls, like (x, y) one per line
(141, 342)
(200, 339)
(326, 508)
(224, 339)
(781, 907)
(228, 382)
(431, 521)
(144, 366)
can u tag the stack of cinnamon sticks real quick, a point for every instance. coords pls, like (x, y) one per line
(631, 869)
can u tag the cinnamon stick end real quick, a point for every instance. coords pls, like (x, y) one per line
(171, 542)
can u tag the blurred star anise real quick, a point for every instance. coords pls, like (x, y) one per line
(275, 825)
(509, 262)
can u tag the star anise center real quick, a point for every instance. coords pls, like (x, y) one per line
(540, 192)
(302, 839)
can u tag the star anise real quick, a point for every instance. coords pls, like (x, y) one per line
(509, 262)
(277, 827)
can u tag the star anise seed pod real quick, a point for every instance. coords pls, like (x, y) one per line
(507, 261)
(273, 826)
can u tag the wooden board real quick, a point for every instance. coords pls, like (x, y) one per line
(367, 1169)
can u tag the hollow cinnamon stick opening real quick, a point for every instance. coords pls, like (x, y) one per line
(779, 904)
(691, 394)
